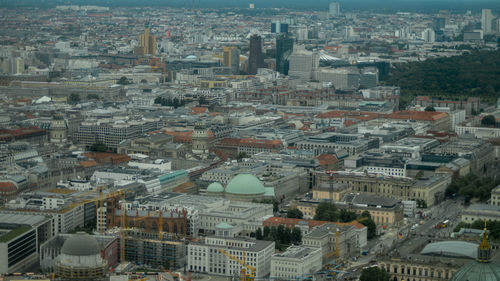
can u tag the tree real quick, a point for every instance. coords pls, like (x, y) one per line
(347, 216)
(144, 81)
(241, 156)
(74, 98)
(93, 97)
(294, 214)
(374, 274)
(296, 236)
(488, 121)
(366, 220)
(202, 100)
(123, 81)
(430, 108)
(326, 212)
(267, 230)
(98, 147)
(258, 234)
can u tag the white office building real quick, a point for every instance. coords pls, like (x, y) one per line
(486, 21)
(303, 63)
(334, 9)
(428, 35)
(218, 255)
(295, 262)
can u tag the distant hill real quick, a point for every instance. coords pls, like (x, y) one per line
(476, 74)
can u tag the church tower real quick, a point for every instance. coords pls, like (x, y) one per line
(201, 139)
(58, 129)
(484, 249)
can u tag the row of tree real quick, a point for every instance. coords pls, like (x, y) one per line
(493, 227)
(175, 102)
(472, 186)
(329, 212)
(281, 235)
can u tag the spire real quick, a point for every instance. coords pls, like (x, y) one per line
(484, 249)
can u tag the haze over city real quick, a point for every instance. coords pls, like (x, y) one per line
(223, 140)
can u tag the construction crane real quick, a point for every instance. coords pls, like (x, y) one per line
(244, 275)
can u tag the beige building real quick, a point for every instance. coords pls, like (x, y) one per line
(384, 211)
(330, 191)
(424, 261)
(430, 189)
(481, 212)
(351, 240)
(495, 196)
(296, 261)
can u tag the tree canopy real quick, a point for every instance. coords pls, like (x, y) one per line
(374, 274)
(472, 186)
(430, 108)
(281, 235)
(459, 77)
(294, 214)
(329, 212)
(488, 120)
(123, 81)
(98, 147)
(74, 98)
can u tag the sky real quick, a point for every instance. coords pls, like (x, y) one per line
(379, 5)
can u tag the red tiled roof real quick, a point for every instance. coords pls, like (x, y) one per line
(348, 123)
(273, 221)
(417, 115)
(261, 143)
(327, 159)
(230, 142)
(7, 187)
(88, 163)
(361, 116)
(198, 110)
(181, 137)
(105, 157)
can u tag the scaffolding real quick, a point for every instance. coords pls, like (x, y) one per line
(146, 248)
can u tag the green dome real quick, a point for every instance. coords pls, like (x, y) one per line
(477, 271)
(215, 187)
(245, 184)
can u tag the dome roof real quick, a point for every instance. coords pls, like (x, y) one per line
(245, 184)
(477, 271)
(81, 244)
(215, 187)
(451, 249)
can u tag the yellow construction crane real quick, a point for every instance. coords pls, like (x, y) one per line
(244, 275)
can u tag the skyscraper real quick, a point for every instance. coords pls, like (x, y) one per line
(284, 48)
(256, 59)
(279, 27)
(428, 35)
(486, 18)
(231, 59)
(148, 42)
(303, 63)
(334, 9)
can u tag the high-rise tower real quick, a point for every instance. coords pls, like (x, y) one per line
(148, 42)
(256, 59)
(231, 59)
(334, 9)
(284, 48)
(486, 20)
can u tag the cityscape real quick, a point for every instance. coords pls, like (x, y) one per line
(249, 140)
